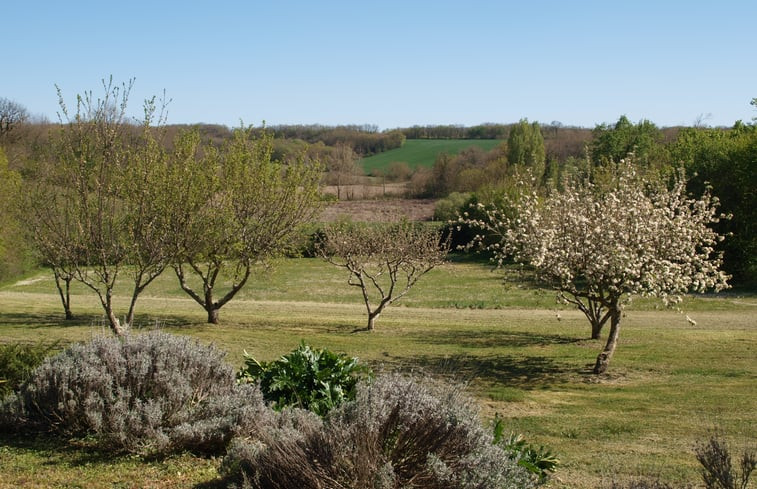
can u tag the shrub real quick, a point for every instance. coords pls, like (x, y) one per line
(398, 432)
(307, 378)
(18, 360)
(717, 470)
(539, 461)
(149, 394)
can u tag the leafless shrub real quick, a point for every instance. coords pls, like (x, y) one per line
(717, 469)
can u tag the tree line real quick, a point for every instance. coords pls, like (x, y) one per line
(720, 160)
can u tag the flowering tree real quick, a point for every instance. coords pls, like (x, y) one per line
(384, 260)
(598, 244)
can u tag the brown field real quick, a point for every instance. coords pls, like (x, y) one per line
(378, 210)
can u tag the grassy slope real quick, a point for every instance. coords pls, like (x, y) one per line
(423, 152)
(668, 384)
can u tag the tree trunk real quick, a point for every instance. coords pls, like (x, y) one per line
(603, 360)
(65, 292)
(118, 328)
(372, 321)
(212, 314)
(596, 329)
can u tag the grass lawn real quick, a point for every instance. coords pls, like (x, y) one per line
(668, 384)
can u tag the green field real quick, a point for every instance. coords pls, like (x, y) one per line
(668, 385)
(423, 152)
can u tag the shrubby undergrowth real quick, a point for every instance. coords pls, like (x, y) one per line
(149, 393)
(155, 393)
(398, 432)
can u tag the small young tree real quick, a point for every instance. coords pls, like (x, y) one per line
(599, 244)
(97, 208)
(238, 208)
(384, 260)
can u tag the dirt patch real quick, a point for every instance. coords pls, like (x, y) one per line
(382, 210)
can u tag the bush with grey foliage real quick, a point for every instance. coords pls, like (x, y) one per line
(149, 393)
(398, 432)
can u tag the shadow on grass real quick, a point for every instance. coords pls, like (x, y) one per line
(59, 450)
(495, 338)
(45, 320)
(534, 372)
(75, 454)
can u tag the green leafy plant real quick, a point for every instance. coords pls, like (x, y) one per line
(308, 378)
(18, 360)
(540, 461)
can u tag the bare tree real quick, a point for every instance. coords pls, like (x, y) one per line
(342, 168)
(11, 115)
(384, 260)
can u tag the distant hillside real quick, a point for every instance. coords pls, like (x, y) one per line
(423, 152)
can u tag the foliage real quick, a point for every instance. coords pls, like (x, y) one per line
(525, 147)
(365, 140)
(613, 143)
(599, 243)
(726, 161)
(399, 432)
(717, 470)
(448, 208)
(238, 208)
(540, 461)
(384, 260)
(18, 360)
(149, 393)
(14, 253)
(314, 379)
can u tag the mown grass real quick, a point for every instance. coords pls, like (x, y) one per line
(669, 382)
(423, 152)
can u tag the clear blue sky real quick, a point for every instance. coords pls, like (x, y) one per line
(392, 63)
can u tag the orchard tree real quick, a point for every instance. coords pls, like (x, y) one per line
(599, 244)
(97, 209)
(384, 260)
(238, 209)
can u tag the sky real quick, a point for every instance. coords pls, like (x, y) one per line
(391, 63)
